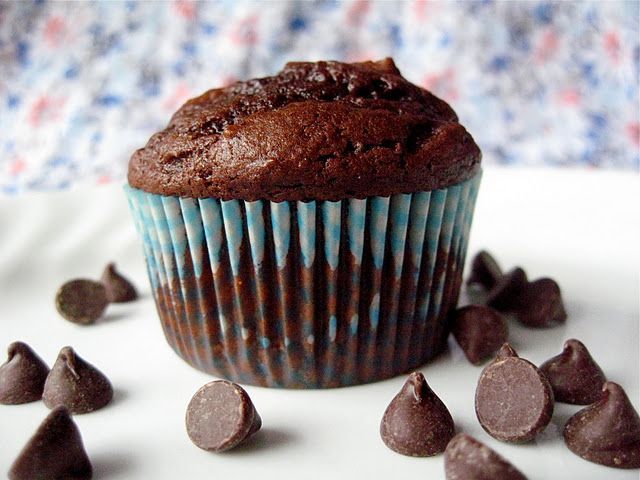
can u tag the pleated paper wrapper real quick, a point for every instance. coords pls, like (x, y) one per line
(306, 294)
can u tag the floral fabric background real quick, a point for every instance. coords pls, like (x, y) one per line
(83, 84)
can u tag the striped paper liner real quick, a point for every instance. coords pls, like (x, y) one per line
(306, 294)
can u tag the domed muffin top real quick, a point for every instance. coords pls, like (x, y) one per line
(314, 131)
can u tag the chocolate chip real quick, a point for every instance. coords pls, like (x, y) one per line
(76, 384)
(535, 304)
(81, 301)
(220, 416)
(416, 422)
(505, 296)
(540, 304)
(485, 271)
(22, 377)
(479, 330)
(54, 452)
(119, 289)
(467, 459)
(606, 432)
(574, 376)
(514, 401)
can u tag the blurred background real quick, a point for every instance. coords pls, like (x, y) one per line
(83, 84)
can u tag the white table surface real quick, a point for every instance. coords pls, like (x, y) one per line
(580, 227)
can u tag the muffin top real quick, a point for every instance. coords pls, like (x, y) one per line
(314, 131)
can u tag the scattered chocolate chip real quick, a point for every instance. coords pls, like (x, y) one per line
(479, 330)
(76, 384)
(467, 459)
(485, 271)
(535, 304)
(220, 416)
(119, 289)
(416, 422)
(514, 401)
(574, 376)
(22, 377)
(606, 432)
(505, 296)
(540, 304)
(81, 301)
(54, 452)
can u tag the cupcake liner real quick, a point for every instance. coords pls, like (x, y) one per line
(306, 294)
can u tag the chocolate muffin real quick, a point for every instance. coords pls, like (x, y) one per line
(308, 229)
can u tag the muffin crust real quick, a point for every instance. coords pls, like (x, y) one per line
(314, 131)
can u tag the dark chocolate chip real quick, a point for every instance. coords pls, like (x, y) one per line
(220, 416)
(81, 301)
(485, 271)
(416, 422)
(119, 289)
(22, 377)
(505, 296)
(76, 384)
(540, 304)
(606, 432)
(535, 304)
(54, 452)
(479, 330)
(467, 459)
(574, 376)
(514, 401)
